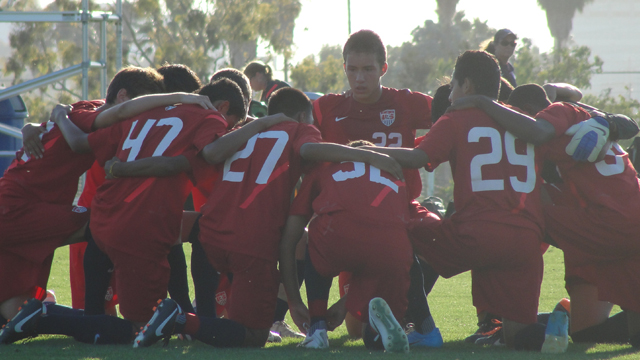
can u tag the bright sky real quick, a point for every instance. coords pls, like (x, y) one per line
(325, 21)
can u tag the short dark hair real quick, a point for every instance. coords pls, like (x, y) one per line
(237, 77)
(529, 95)
(257, 66)
(290, 102)
(179, 78)
(505, 90)
(482, 69)
(359, 143)
(137, 81)
(440, 102)
(225, 89)
(368, 42)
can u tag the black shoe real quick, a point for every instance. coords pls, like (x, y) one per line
(485, 328)
(495, 339)
(161, 324)
(23, 325)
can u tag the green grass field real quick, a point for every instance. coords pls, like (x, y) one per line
(450, 303)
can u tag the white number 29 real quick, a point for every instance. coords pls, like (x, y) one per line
(495, 156)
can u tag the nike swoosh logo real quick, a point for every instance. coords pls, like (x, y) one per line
(161, 327)
(19, 325)
(340, 118)
(602, 130)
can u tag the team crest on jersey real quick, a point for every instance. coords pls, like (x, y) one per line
(221, 298)
(388, 117)
(170, 107)
(79, 209)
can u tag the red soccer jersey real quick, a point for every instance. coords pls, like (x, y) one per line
(494, 173)
(250, 201)
(611, 183)
(390, 122)
(54, 177)
(361, 189)
(134, 214)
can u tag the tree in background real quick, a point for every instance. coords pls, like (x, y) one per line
(202, 35)
(325, 76)
(560, 18)
(421, 64)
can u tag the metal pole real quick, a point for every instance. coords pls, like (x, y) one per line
(85, 49)
(349, 14)
(103, 59)
(119, 36)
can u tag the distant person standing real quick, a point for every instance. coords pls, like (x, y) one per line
(503, 46)
(261, 79)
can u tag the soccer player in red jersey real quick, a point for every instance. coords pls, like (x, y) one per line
(497, 228)
(44, 185)
(594, 219)
(385, 116)
(239, 236)
(360, 227)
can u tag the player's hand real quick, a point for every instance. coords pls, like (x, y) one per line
(589, 138)
(108, 168)
(201, 100)
(31, 141)
(300, 316)
(59, 111)
(388, 164)
(336, 314)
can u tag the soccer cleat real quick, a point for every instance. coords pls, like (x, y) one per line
(274, 337)
(23, 325)
(495, 339)
(317, 340)
(485, 328)
(556, 336)
(284, 330)
(432, 339)
(161, 324)
(382, 320)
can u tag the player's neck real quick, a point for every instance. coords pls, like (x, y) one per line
(371, 99)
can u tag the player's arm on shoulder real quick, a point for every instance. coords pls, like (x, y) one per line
(224, 147)
(31, 141)
(562, 92)
(524, 127)
(330, 152)
(407, 157)
(157, 166)
(291, 235)
(77, 139)
(144, 103)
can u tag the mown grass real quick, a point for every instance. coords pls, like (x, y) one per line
(450, 303)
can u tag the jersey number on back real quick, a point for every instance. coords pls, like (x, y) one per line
(269, 164)
(135, 144)
(495, 156)
(612, 169)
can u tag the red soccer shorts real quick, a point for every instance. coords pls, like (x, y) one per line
(30, 234)
(253, 293)
(505, 260)
(601, 247)
(378, 256)
(140, 282)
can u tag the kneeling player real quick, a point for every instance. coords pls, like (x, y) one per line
(360, 228)
(240, 237)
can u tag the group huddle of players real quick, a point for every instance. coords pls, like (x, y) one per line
(527, 173)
